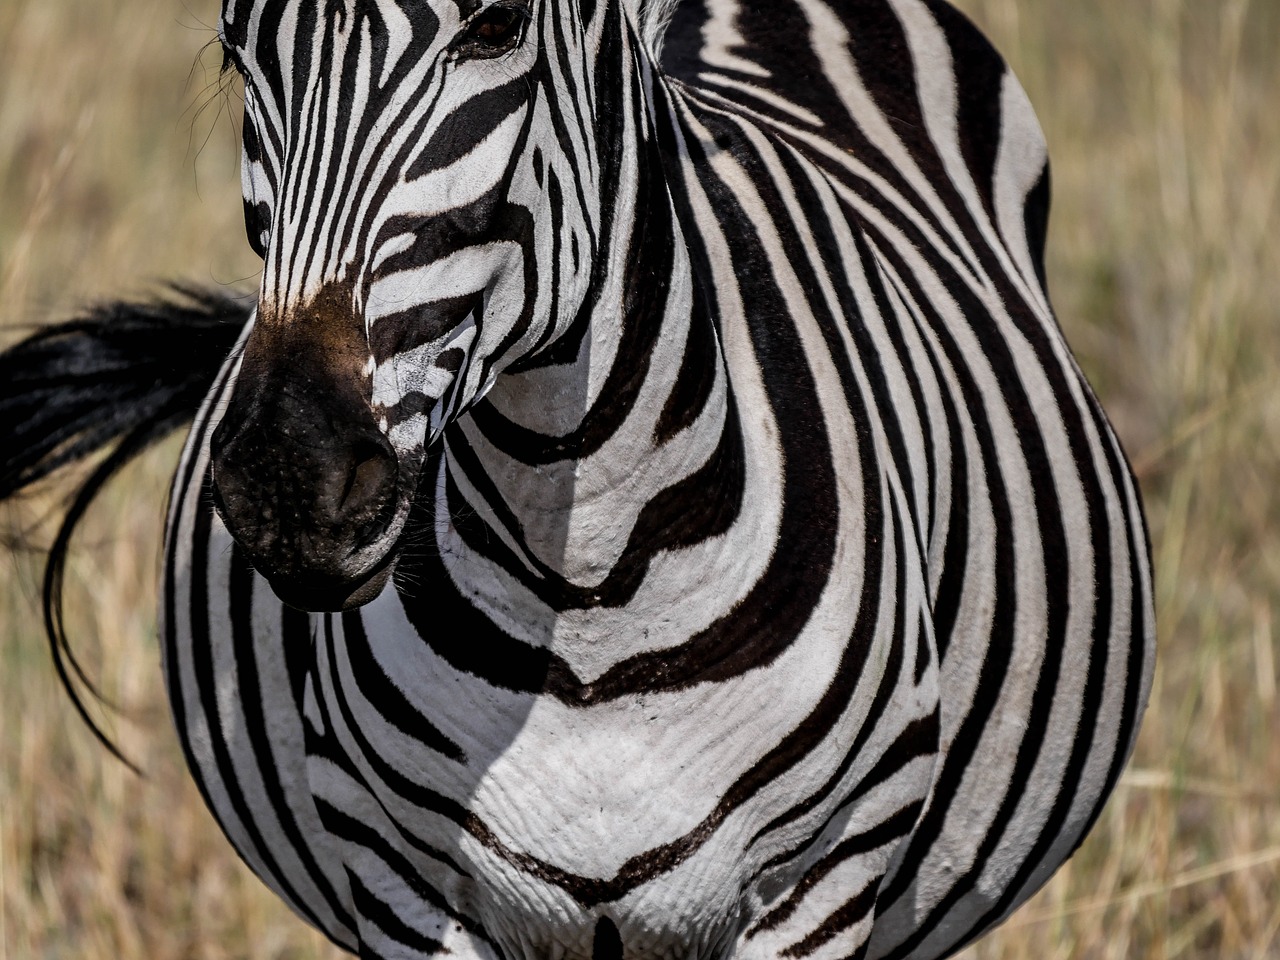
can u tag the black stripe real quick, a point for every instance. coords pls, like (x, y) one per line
(373, 910)
(363, 836)
(850, 913)
(380, 690)
(886, 832)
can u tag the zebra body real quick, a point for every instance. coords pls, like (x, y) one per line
(725, 555)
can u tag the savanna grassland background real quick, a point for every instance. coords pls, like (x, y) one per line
(118, 170)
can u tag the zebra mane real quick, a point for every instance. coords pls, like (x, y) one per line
(653, 17)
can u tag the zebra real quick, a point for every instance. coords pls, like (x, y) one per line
(650, 509)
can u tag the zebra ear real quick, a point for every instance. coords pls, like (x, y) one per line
(257, 214)
(257, 217)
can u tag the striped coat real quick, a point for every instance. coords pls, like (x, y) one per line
(651, 510)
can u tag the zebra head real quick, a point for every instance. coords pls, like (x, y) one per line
(426, 182)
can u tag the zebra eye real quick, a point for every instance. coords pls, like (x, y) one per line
(493, 32)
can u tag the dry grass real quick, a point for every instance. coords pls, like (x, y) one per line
(104, 191)
(1162, 122)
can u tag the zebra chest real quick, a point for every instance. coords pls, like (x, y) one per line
(535, 813)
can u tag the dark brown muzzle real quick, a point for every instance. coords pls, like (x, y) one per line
(303, 477)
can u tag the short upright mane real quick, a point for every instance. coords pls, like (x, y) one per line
(653, 17)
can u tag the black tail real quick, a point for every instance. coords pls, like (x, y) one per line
(122, 376)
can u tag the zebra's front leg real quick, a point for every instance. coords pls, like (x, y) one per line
(830, 911)
(817, 896)
(405, 899)
(406, 893)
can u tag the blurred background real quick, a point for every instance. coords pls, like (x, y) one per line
(118, 170)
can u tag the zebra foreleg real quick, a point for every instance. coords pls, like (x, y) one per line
(830, 912)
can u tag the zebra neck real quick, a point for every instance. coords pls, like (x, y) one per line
(569, 473)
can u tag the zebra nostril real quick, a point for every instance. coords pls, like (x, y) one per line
(370, 477)
(368, 502)
(369, 533)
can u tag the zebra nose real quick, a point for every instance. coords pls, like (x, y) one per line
(339, 483)
(310, 495)
(304, 478)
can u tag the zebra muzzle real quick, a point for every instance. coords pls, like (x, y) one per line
(303, 477)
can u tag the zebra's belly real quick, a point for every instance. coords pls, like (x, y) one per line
(564, 829)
